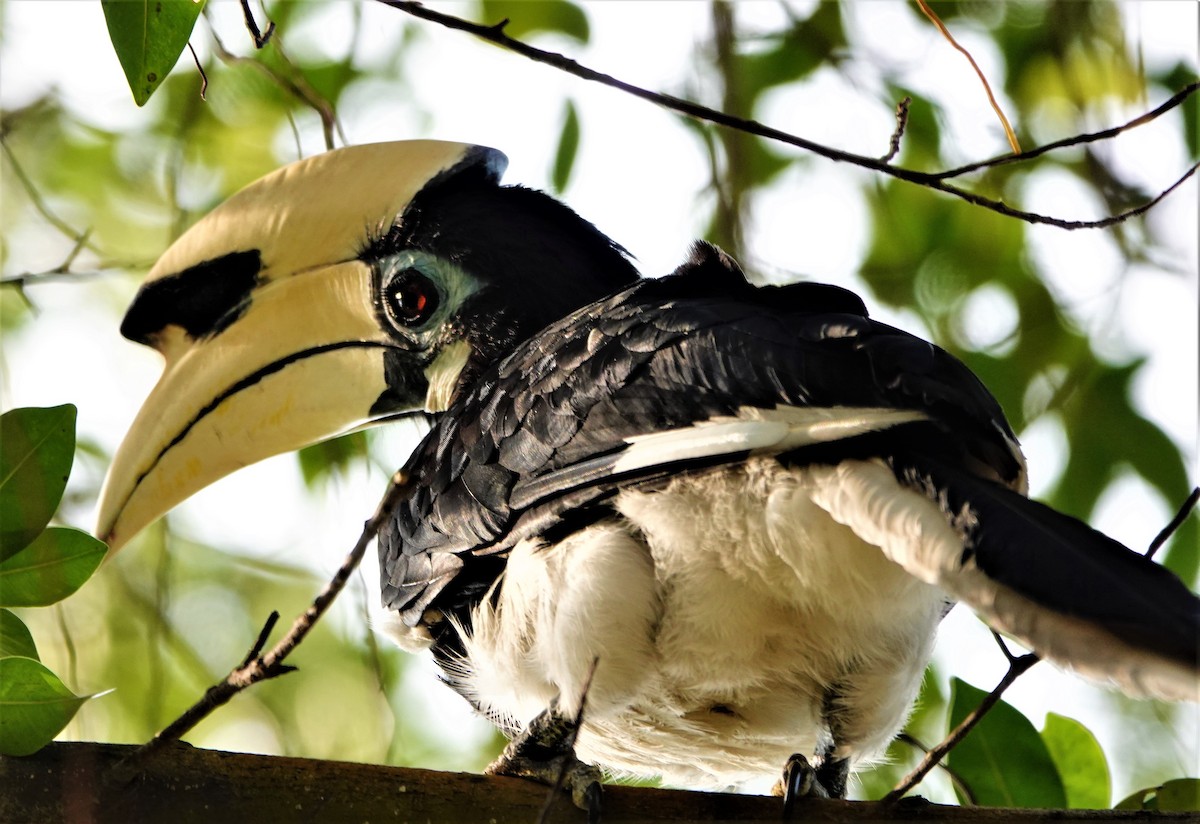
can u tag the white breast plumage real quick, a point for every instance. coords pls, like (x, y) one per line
(731, 620)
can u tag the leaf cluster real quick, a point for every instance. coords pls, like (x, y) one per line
(40, 565)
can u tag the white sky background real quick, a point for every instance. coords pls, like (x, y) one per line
(643, 181)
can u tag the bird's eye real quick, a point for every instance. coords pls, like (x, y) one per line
(411, 298)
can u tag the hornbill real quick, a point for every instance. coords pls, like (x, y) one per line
(733, 516)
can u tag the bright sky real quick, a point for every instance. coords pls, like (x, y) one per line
(643, 183)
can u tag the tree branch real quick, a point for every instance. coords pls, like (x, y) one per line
(1016, 668)
(1167, 531)
(898, 133)
(260, 39)
(186, 785)
(1172, 102)
(495, 34)
(80, 238)
(258, 667)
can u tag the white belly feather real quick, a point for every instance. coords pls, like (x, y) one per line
(715, 632)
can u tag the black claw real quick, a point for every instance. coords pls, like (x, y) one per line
(591, 798)
(799, 780)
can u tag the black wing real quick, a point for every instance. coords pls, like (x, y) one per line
(543, 433)
(701, 369)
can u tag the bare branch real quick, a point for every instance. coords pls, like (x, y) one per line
(1016, 669)
(260, 39)
(63, 272)
(80, 238)
(199, 68)
(955, 778)
(1078, 140)
(495, 34)
(258, 667)
(1167, 531)
(261, 641)
(901, 125)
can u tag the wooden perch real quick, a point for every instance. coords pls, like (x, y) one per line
(181, 784)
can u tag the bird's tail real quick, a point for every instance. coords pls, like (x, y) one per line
(1070, 593)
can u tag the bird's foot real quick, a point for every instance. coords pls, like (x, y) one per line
(801, 780)
(543, 751)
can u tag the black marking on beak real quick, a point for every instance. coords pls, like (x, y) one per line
(245, 383)
(202, 299)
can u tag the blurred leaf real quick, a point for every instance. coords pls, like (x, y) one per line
(34, 706)
(568, 146)
(794, 53)
(1178, 795)
(525, 18)
(36, 450)
(1100, 416)
(287, 14)
(148, 37)
(15, 638)
(1080, 761)
(322, 460)
(57, 563)
(329, 80)
(14, 308)
(1003, 760)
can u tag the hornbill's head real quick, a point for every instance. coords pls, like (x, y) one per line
(350, 287)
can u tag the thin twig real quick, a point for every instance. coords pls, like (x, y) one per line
(1077, 140)
(496, 35)
(24, 279)
(1176, 522)
(901, 125)
(261, 641)
(35, 198)
(260, 39)
(956, 779)
(63, 270)
(298, 87)
(258, 667)
(571, 739)
(937, 21)
(1016, 668)
(199, 68)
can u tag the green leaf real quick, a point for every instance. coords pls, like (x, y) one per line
(568, 147)
(525, 18)
(34, 706)
(15, 638)
(36, 450)
(1080, 761)
(1138, 800)
(148, 37)
(1177, 795)
(1003, 760)
(52, 567)
(321, 461)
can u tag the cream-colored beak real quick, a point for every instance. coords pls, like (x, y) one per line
(267, 361)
